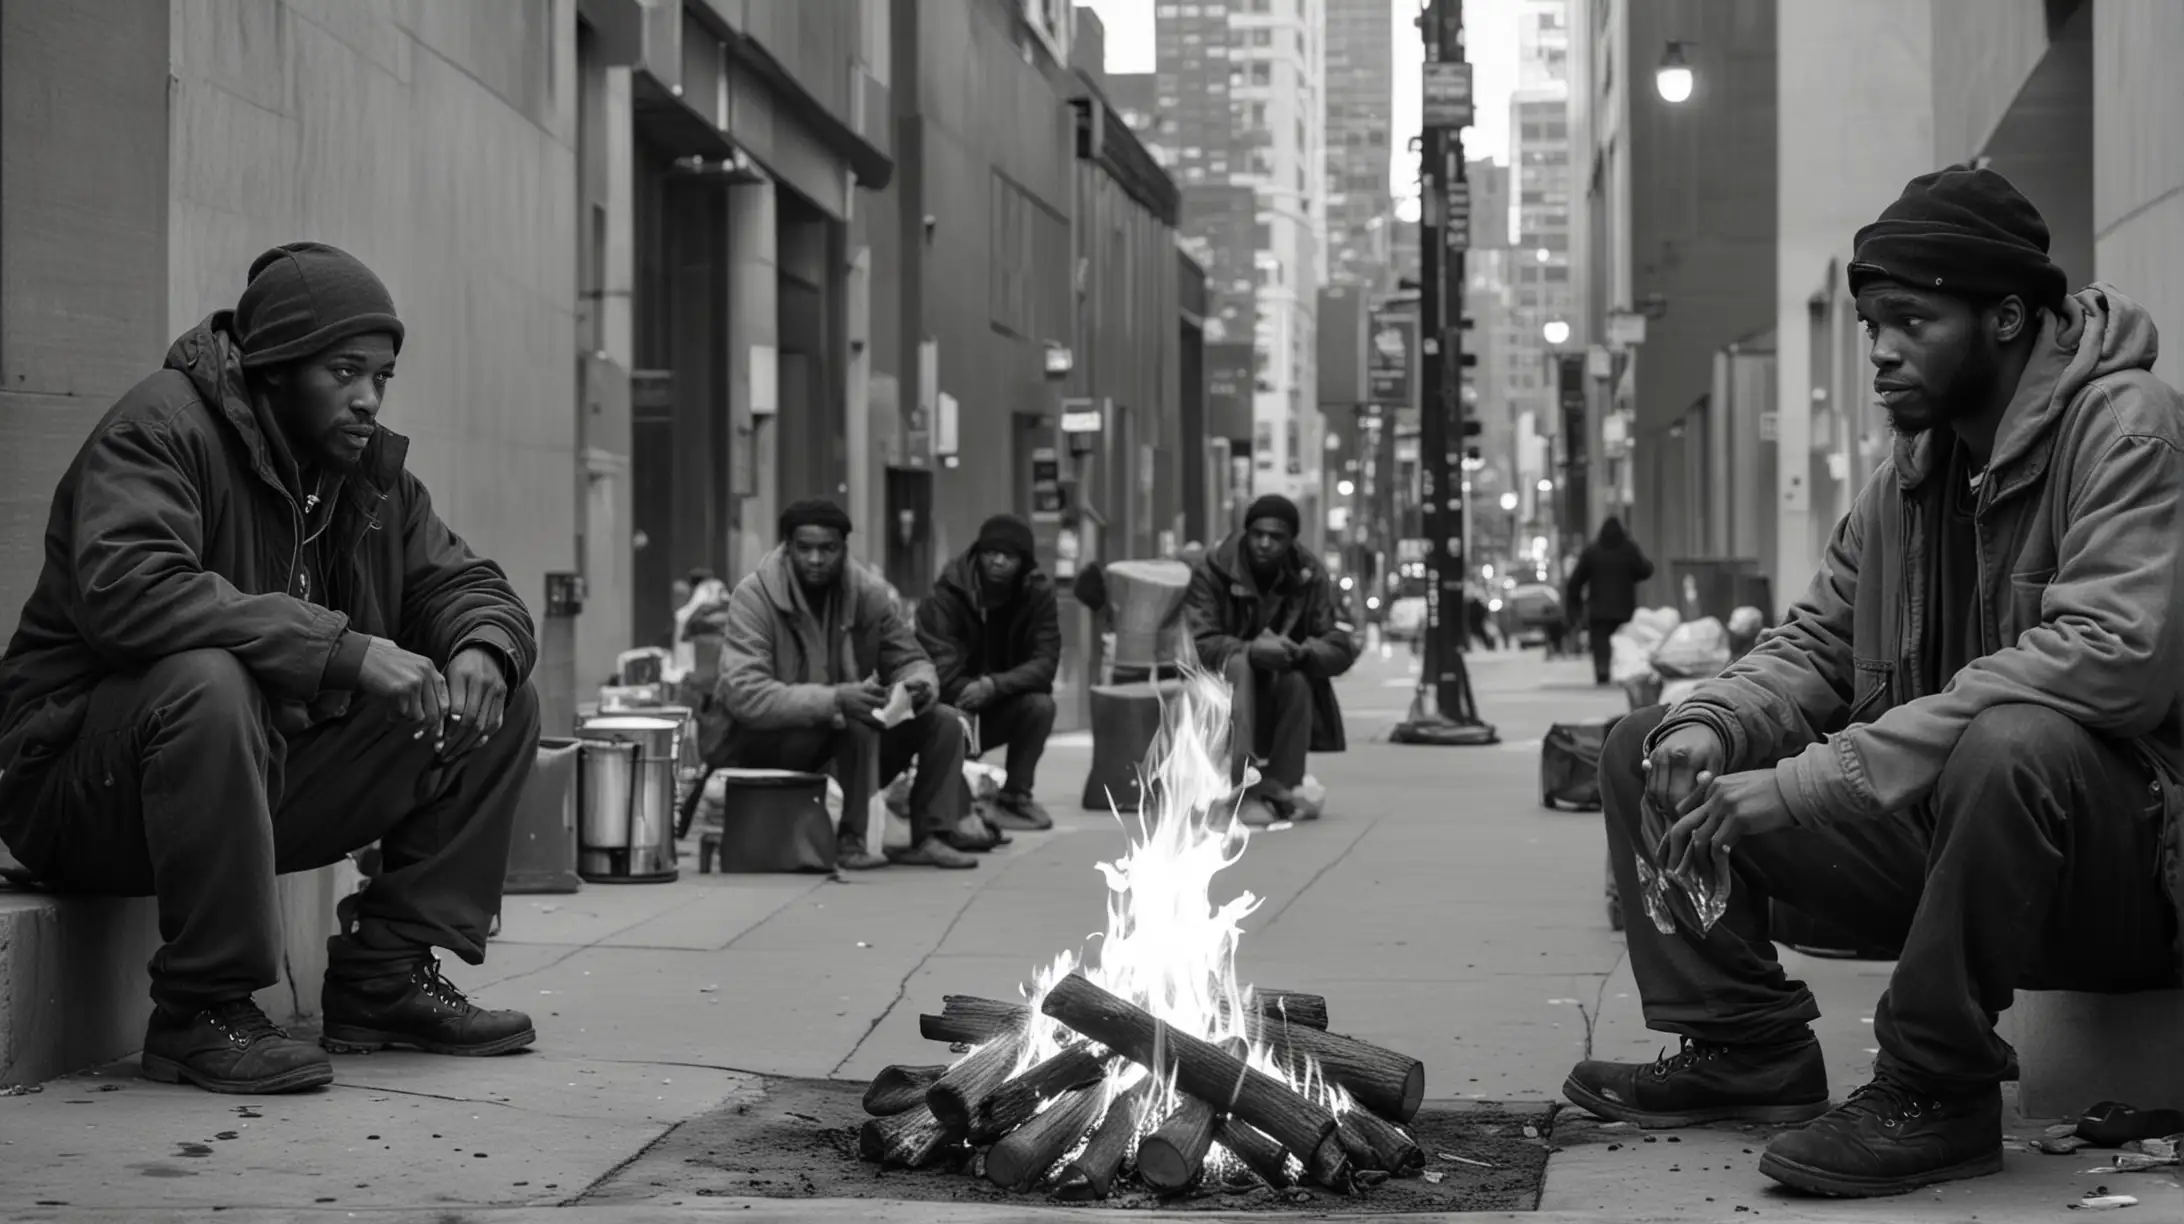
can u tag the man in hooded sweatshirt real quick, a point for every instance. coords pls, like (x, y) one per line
(1964, 740)
(253, 649)
(812, 650)
(994, 631)
(1265, 615)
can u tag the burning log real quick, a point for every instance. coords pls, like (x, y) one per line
(955, 1097)
(1202, 1070)
(1260, 1154)
(1092, 1174)
(1169, 1159)
(899, 1090)
(1018, 1161)
(1387, 1083)
(1013, 1103)
(909, 1140)
(1294, 1006)
(970, 1020)
(1374, 1143)
(1330, 1166)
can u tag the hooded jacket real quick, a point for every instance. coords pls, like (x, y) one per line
(778, 667)
(1603, 589)
(1227, 610)
(1017, 645)
(2080, 533)
(175, 530)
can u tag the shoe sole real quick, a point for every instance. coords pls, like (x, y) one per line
(1020, 824)
(341, 1039)
(1646, 1119)
(167, 1071)
(1837, 1185)
(919, 862)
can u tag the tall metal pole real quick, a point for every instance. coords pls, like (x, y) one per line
(1443, 711)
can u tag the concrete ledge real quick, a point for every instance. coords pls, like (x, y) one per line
(73, 986)
(2074, 1050)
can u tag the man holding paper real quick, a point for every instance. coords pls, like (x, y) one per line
(1963, 740)
(821, 672)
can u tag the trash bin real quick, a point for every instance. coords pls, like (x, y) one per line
(1125, 722)
(626, 791)
(542, 851)
(770, 820)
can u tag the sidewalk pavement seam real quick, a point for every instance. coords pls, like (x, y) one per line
(818, 882)
(1326, 867)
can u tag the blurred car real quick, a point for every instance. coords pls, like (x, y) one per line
(1406, 619)
(1533, 608)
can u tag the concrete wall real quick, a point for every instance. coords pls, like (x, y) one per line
(1982, 52)
(2138, 160)
(1856, 122)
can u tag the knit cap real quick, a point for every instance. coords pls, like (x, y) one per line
(305, 296)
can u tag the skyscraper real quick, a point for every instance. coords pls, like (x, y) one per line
(1539, 154)
(1360, 141)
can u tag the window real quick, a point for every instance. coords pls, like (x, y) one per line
(1262, 37)
(1558, 274)
(1262, 73)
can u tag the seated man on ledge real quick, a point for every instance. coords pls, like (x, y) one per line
(994, 632)
(1263, 614)
(813, 648)
(1964, 739)
(253, 649)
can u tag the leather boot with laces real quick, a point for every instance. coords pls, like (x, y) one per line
(423, 1010)
(1891, 1139)
(230, 1047)
(1706, 1082)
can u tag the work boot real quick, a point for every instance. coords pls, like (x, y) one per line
(1707, 1082)
(1020, 812)
(850, 855)
(933, 852)
(1891, 1139)
(423, 1010)
(230, 1047)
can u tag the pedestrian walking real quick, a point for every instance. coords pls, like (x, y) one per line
(1603, 590)
(1995, 637)
(253, 649)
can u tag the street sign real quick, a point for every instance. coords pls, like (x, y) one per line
(1447, 94)
(1081, 416)
(1391, 360)
(1626, 328)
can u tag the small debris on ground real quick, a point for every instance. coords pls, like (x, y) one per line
(2103, 1202)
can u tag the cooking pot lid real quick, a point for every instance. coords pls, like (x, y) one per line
(631, 722)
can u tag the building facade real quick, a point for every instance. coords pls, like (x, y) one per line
(1360, 74)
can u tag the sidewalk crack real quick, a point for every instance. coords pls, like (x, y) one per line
(1326, 867)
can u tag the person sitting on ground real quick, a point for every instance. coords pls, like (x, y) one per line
(994, 630)
(1265, 616)
(813, 649)
(1604, 587)
(1965, 738)
(254, 649)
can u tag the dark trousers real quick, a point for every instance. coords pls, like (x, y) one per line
(863, 757)
(1023, 723)
(1271, 719)
(178, 787)
(1601, 636)
(2033, 866)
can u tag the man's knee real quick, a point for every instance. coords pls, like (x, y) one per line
(943, 729)
(1035, 711)
(1238, 668)
(1289, 688)
(2018, 737)
(195, 686)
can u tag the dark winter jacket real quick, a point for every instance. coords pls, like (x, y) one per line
(1018, 644)
(174, 530)
(1227, 611)
(1603, 589)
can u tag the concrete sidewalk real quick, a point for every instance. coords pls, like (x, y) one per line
(1439, 909)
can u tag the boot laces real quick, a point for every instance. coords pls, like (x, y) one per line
(1890, 1102)
(429, 980)
(240, 1021)
(1688, 1054)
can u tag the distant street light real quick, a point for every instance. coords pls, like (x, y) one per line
(1345, 487)
(1546, 485)
(1556, 331)
(1509, 501)
(1673, 78)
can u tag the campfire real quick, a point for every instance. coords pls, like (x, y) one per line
(1149, 1059)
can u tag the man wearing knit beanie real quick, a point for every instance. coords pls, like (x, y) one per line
(1264, 613)
(993, 627)
(1962, 743)
(254, 648)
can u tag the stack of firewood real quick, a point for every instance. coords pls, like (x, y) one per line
(1021, 1125)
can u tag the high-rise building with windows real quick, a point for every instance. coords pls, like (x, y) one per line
(1360, 142)
(1539, 264)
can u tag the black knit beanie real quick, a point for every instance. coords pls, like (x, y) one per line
(305, 296)
(1006, 533)
(1965, 232)
(1275, 506)
(813, 512)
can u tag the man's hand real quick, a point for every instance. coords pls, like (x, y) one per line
(1673, 768)
(477, 696)
(921, 693)
(1729, 809)
(860, 702)
(1272, 652)
(411, 682)
(975, 696)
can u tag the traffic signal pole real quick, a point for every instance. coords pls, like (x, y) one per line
(1444, 710)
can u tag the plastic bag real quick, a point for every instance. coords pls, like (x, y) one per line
(1705, 892)
(1694, 650)
(1631, 648)
(1311, 797)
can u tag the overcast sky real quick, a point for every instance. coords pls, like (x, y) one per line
(1491, 26)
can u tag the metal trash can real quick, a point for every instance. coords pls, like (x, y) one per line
(626, 818)
(542, 850)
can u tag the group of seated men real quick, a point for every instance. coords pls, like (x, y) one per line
(814, 648)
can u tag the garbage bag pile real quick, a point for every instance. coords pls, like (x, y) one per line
(1659, 657)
